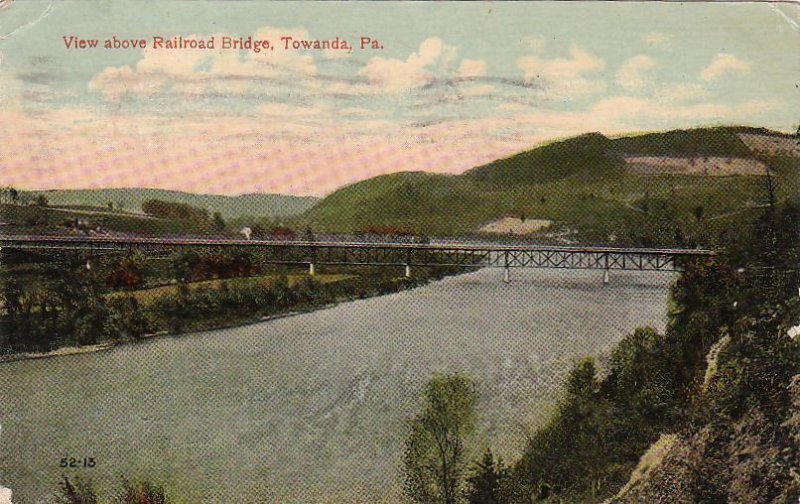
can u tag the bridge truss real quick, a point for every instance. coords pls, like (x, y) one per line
(383, 254)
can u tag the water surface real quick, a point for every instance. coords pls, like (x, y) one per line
(314, 407)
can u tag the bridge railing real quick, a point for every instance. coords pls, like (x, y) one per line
(410, 254)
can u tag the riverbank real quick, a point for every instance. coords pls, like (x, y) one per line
(349, 288)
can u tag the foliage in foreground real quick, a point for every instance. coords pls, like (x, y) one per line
(435, 456)
(83, 491)
(733, 410)
(659, 384)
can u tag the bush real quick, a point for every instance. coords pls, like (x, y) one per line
(126, 275)
(80, 492)
(125, 319)
(141, 492)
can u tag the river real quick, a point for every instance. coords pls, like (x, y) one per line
(313, 407)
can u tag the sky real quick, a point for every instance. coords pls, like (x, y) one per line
(446, 87)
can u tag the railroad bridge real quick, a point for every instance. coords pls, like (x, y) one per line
(407, 255)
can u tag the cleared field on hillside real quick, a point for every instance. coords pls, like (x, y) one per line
(706, 166)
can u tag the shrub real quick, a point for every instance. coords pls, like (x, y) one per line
(126, 275)
(125, 319)
(80, 492)
(141, 492)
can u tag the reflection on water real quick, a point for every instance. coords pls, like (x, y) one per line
(313, 408)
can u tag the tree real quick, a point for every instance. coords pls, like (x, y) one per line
(771, 199)
(257, 231)
(219, 222)
(485, 480)
(177, 211)
(698, 212)
(185, 266)
(125, 275)
(12, 295)
(434, 456)
(125, 319)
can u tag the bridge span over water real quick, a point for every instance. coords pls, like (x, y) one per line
(408, 255)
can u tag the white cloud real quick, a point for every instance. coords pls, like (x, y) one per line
(617, 115)
(114, 82)
(565, 77)
(536, 44)
(722, 64)
(394, 75)
(677, 93)
(197, 71)
(654, 38)
(754, 107)
(626, 111)
(471, 68)
(631, 75)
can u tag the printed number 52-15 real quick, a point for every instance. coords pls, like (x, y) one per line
(78, 462)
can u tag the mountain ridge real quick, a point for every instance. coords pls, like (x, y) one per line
(230, 207)
(585, 185)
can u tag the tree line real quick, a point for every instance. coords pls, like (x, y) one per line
(743, 303)
(69, 305)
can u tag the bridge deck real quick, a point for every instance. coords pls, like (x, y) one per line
(367, 253)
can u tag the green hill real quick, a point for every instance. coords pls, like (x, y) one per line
(231, 207)
(33, 219)
(589, 154)
(723, 142)
(120, 210)
(585, 186)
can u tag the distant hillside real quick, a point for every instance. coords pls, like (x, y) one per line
(231, 207)
(33, 219)
(655, 188)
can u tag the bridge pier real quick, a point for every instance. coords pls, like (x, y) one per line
(606, 277)
(311, 270)
(507, 274)
(408, 271)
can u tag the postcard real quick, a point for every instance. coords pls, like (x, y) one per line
(399, 252)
